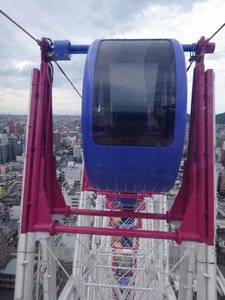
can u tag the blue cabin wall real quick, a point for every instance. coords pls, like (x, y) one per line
(133, 168)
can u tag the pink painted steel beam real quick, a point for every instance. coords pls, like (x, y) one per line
(210, 156)
(176, 236)
(116, 213)
(194, 205)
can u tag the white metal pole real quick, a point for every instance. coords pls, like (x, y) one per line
(187, 270)
(49, 269)
(20, 267)
(25, 267)
(211, 270)
(206, 272)
(29, 267)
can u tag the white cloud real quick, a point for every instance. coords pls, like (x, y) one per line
(84, 21)
(66, 101)
(14, 102)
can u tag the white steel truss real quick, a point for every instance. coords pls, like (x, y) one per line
(103, 269)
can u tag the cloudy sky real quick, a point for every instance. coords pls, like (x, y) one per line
(81, 22)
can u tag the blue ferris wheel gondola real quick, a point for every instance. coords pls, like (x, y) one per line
(134, 114)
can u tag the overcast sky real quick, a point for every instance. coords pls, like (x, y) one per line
(83, 21)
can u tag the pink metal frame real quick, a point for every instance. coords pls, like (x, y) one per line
(194, 205)
(195, 201)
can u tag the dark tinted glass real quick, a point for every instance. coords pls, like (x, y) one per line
(134, 93)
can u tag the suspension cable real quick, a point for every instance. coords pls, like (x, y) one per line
(189, 65)
(60, 68)
(38, 42)
(20, 27)
(215, 33)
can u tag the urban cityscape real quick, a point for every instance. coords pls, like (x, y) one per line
(67, 148)
(112, 176)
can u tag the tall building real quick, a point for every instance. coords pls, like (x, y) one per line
(19, 149)
(221, 183)
(5, 153)
(57, 139)
(3, 249)
(3, 138)
(223, 154)
(77, 154)
(13, 143)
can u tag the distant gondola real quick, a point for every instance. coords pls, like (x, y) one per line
(134, 114)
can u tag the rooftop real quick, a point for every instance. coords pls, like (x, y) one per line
(10, 268)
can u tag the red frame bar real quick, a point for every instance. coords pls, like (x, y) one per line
(176, 236)
(194, 205)
(114, 213)
(210, 129)
(195, 201)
